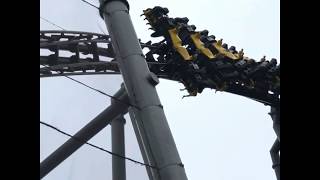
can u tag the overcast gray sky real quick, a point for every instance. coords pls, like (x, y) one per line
(219, 135)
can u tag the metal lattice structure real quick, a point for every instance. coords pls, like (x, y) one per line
(185, 55)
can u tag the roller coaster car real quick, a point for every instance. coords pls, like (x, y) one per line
(221, 50)
(165, 26)
(155, 13)
(181, 34)
(158, 20)
(192, 38)
(262, 68)
(273, 76)
(218, 64)
(192, 83)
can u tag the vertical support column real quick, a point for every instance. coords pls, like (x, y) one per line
(140, 85)
(118, 147)
(275, 157)
(275, 115)
(275, 150)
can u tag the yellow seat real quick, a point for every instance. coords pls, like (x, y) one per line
(199, 45)
(177, 44)
(224, 52)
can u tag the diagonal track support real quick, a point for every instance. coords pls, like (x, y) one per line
(86, 133)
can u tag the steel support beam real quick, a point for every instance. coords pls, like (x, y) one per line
(275, 150)
(140, 85)
(118, 147)
(143, 145)
(275, 115)
(86, 133)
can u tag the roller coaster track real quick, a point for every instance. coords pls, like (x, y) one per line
(185, 55)
(98, 46)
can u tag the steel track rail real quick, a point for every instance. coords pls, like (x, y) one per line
(86, 43)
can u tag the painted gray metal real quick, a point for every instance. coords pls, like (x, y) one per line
(86, 133)
(118, 147)
(275, 150)
(141, 92)
(145, 150)
(275, 115)
(275, 157)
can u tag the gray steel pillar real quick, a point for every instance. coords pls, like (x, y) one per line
(118, 147)
(85, 134)
(140, 85)
(275, 150)
(275, 115)
(145, 150)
